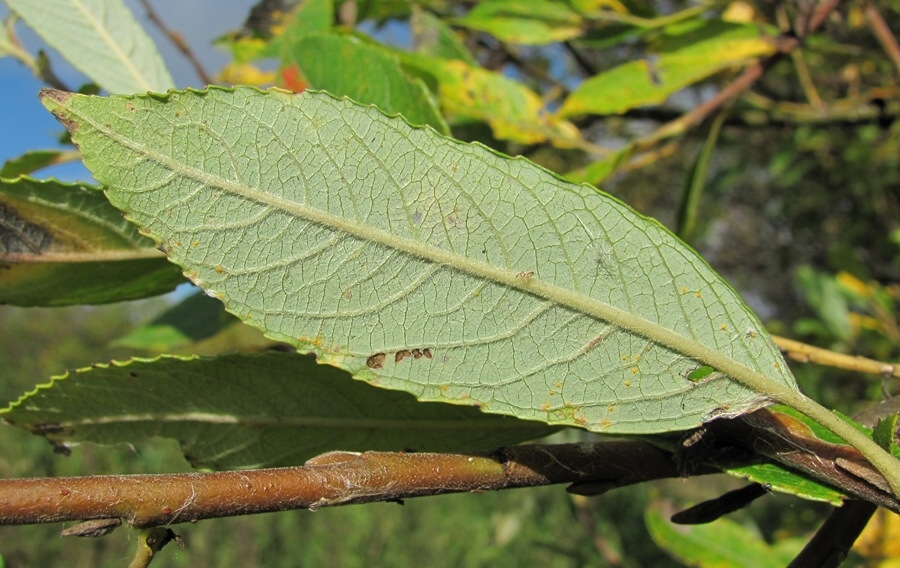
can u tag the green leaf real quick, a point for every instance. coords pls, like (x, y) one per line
(63, 244)
(512, 110)
(535, 22)
(423, 264)
(268, 27)
(195, 318)
(101, 39)
(723, 543)
(884, 433)
(695, 183)
(777, 478)
(275, 409)
(691, 52)
(823, 294)
(345, 66)
(30, 162)
(597, 172)
(432, 36)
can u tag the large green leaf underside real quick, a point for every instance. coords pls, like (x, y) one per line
(427, 265)
(64, 244)
(234, 411)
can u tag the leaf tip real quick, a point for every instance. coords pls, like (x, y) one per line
(56, 101)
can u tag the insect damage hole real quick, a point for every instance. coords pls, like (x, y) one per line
(376, 361)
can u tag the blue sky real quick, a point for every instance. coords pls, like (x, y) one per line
(25, 125)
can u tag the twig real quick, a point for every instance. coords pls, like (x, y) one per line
(178, 41)
(883, 33)
(829, 547)
(337, 478)
(151, 541)
(586, 66)
(806, 353)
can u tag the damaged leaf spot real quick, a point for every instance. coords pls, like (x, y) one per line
(412, 354)
(376, 361)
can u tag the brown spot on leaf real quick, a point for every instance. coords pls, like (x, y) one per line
(427, 353)
(401, 355)
(375, 361)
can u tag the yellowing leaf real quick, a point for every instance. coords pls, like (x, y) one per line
(680, 61)
(513, 111)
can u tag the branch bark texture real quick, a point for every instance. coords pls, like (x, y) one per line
(336, 478)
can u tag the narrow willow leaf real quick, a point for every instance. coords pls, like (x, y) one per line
(275, 409)
(423, 264)
(64, 244)
(777, 478)
(30, 162)
(695, 183)
(691, 52)
(101, 39)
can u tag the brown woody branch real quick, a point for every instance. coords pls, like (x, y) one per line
(337, 478)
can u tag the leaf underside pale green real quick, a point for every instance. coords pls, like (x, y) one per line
(64, 244)
(424, 264)
(233, 411)
(101, 39)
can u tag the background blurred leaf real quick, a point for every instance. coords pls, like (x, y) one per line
(688, 52)
(29, 162)
(723, 543)
(532, 23)
(513, 111)
(193, 319)
(345, 66)
(101, 39)
(432, 36)
(824, 296)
